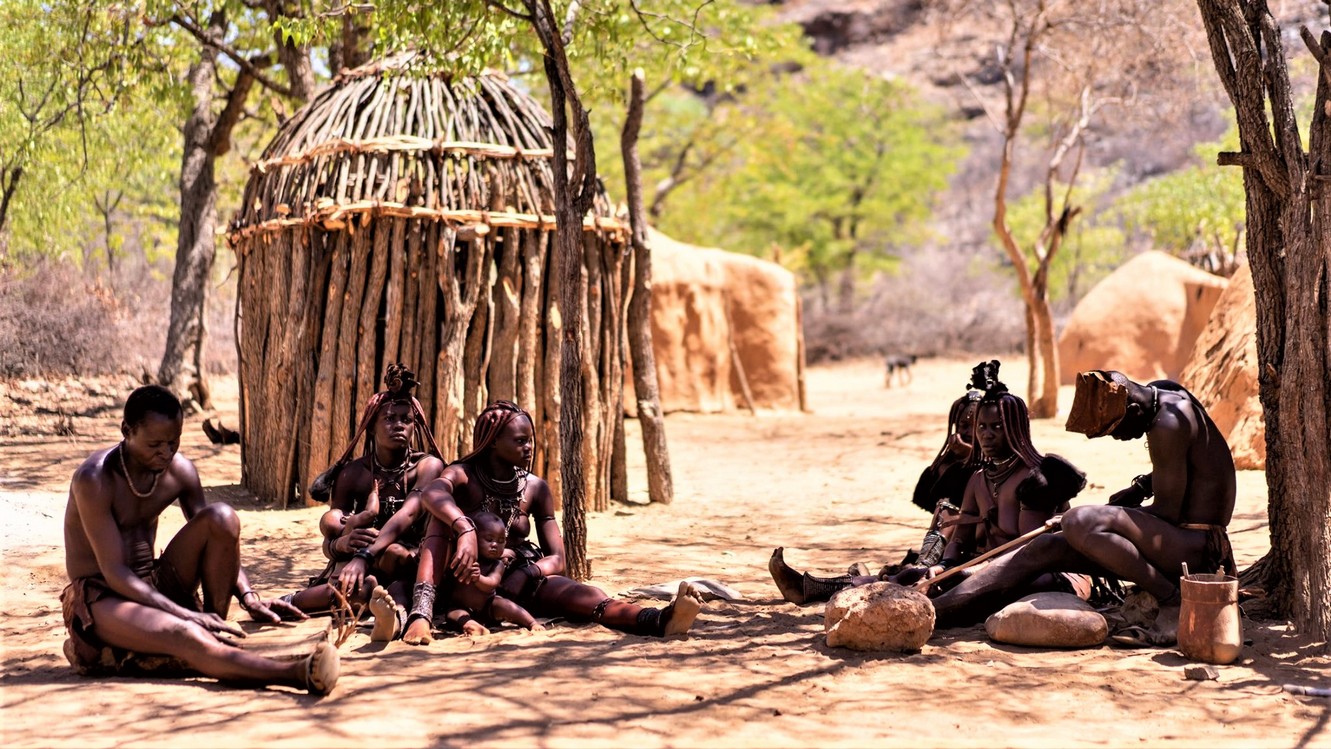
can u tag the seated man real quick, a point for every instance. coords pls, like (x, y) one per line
(121, 602)
(1193, 482)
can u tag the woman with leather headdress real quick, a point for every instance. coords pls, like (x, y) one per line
(364, 494)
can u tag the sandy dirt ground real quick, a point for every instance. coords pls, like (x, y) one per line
(831, 485)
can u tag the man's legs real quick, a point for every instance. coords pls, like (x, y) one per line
(1004, 578)
(1134, 545)
(206, 552)
(581, 602)
(143, 629)
(1139, 547)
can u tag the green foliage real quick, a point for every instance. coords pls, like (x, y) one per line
(1198, 207)
(130, 171)
(831, 167)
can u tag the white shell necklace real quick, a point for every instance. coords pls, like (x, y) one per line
(120, 452)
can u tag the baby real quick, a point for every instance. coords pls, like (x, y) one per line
(478, 598)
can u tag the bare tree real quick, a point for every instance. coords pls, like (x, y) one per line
(1289, 249)
(1060, 65)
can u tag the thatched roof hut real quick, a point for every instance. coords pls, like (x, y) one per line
(404, 216)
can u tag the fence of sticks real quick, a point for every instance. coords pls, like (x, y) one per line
(404, 216)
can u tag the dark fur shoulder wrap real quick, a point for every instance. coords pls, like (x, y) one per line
(321, 489)
(1055, 482)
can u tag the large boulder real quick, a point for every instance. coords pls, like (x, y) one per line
(722, 321)
(1142, 320)
(1048, 620)
(1222, 372)
(879, 616)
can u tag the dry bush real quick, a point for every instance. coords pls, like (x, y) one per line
(56, 321)
(941, 302)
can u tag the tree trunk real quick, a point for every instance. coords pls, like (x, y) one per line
(1044, 401)
(195, 248)
(660, 484)
(574, 193)
(1289, 248)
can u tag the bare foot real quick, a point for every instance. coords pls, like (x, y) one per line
(788, 581)
(474, 628)
(536, 627)
(859, 569)
(683, 610)
(418, 632)
(386, 613)
(322, 669)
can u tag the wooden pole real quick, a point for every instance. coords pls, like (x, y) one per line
(1049, 525)
(646, 387)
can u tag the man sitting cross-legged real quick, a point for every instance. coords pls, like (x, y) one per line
(122, 602)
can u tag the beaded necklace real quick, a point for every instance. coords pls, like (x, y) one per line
(503, 497)
(996, 472)
(120, 453)
(393, 482)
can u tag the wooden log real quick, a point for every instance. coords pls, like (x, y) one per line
(368, 368)
(321, 421)
(344, 418)
(396, 290)
(595, 456)
(419, 237)
(277, 282)
(427, 311)
(478, 334)
(527, 364)
(554, 334)
(291, 358)
(318, 245)
(460, 293)
(507, 303)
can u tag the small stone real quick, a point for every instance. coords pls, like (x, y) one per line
(1200, 672)
(879, 616)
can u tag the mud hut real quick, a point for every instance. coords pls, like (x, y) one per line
(404, 216)
(1222, 372)
(1141, 320)
(725, 330)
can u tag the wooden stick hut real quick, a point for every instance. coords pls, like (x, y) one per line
(405, 216)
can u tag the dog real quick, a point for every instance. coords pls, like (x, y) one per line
(898, 367)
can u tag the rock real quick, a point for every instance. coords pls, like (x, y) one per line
(1200, 673)
(1049, 620)
(879, 616)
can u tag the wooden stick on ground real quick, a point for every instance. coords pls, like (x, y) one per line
(1049, 525)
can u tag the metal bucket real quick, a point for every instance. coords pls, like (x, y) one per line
(1209, 627)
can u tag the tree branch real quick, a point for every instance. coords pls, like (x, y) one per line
(245, 64)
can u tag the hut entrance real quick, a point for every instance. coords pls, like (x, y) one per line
(406, 217)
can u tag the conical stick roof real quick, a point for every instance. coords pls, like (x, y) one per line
(391, 140)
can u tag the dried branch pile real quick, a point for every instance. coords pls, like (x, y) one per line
(403, 216)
